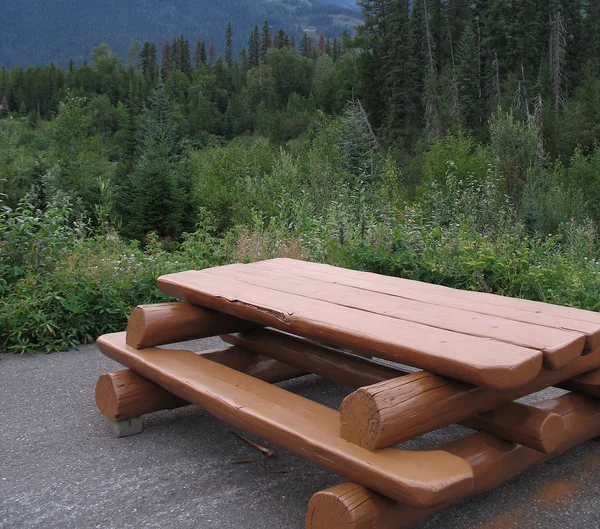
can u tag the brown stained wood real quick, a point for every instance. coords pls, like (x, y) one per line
(398, 410)
(522, 424)
(559, 346)
(537, 313)
(510, 421)
(353, 506)
(420, 479)
(481, 361)
(125, 394)
(165, 323)
(353, 371)
(587, 384)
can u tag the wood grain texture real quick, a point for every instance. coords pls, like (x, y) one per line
(481, 361)
(537, 313)
(420, 479)
(559, 346)
(165, 323)
(353, 506)
(125, 394)
(587, 384)
(398, 410)
(353, 371)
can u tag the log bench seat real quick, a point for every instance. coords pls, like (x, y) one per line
(418, 357)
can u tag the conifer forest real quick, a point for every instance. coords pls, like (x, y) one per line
(454, 142)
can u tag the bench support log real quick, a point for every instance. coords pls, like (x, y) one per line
(165, 323)
(126, 395)
(353, 506)
(401, 409)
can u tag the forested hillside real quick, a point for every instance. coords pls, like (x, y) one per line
(452, 142)
(36, 32)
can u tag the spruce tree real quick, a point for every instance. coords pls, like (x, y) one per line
(4, 110)
(467, 76)
(22, 110)
(166, 59)
(253, 48)
(185, 59)
(229, 46)
(266, 41)
(396, 67)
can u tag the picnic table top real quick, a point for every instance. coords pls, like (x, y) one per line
(484, 339)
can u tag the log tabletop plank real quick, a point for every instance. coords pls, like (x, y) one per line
(559, 346)
(309, 429)
(481, 361)
(538, 313)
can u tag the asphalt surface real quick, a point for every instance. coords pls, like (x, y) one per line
(61, 468)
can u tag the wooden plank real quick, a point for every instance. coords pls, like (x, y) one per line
(587, 384)
(421, 479)
(125, 394)
(353, 506)
(423, 402)
(477, 360)
(537, 313)
(353, 371)
(165, 323)
(558, 346)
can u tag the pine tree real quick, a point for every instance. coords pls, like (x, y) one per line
(212, 51)
(320, 45)
(4, 110)
(229, 46)
(305, 45)
(175, 56)
(397, 65)
(266, 41)
(200, 55)
(185, 59)
(165, 61)
(148, 61)
(71, 65)
(253, 48)
(336, 50)
(557, 56)
(467, 76)
(22, 110)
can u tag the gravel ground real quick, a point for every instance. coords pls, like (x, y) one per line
(61, 468)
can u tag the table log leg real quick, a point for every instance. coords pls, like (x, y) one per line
(397, 410)
(123, 397)
(352, 506)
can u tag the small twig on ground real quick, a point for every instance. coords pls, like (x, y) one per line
(266, 451)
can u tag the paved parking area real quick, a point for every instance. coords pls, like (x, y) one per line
(61, 468)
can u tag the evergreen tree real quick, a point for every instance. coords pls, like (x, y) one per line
(397, 65)
(185, 59)
(4, 110)
(71, 65)
(159, 200)
(22, 110)
(212, 51)
(148, 61)
(266, 41)
(467, 77)
(253, 48)
(200, 55)
(166, 59)
(305, 45)
(229, 46)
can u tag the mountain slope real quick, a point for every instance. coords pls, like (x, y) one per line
(37, 31)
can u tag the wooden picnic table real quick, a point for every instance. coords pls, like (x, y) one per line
(476, 354)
